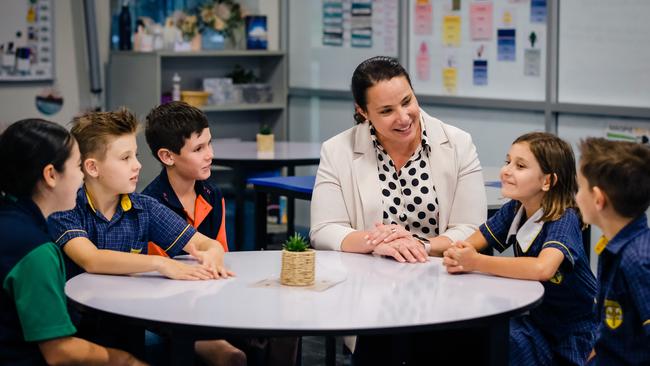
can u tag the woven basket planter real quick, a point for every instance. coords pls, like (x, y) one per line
(298, 268)
(265, 143)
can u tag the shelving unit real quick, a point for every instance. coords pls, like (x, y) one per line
(137, 80)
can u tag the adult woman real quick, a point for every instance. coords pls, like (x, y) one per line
(400, 183)
(42, 175)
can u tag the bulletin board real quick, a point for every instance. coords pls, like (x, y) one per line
(26, 40)
(329, 38)
(478, 48)
(604, 53)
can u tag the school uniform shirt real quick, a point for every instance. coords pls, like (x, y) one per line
(138, 219)
(209, 207)
(32, 302)
(408, 195)
(623, 304)
(564, 322)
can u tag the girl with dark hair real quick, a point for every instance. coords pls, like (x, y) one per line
(542, 225)
(42, 174)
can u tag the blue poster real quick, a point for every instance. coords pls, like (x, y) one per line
(538, 11)
(506, 45)
(480, 75)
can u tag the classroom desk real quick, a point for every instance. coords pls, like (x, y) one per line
(244, 159)
(375, 296)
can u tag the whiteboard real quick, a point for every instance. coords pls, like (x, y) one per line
(604, 54)
(316, 61)
(435, 60)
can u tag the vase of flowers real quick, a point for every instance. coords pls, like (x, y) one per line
(298, 262)
(225, 17)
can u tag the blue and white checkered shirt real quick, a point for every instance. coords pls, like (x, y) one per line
(137, 220)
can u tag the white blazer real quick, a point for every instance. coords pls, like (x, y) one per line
(347, 195)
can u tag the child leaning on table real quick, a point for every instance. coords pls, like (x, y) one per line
(110, 226)
(542, 225)
(42, 175)
(179, 137)
(613, 194)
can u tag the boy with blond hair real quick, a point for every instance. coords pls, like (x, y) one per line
(111, 225)
(613, 194)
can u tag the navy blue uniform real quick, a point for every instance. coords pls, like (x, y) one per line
(560, 330)
(623, 305)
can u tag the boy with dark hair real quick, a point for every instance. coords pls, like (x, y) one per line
(179, 137)
(111, 225)
(613, 194)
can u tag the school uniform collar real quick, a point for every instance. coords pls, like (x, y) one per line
(623, 237)
(127, 201)
(527, 233)
(28, 206)
(167, 192)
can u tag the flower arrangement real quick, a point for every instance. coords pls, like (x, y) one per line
(224, 16)
(187, 24)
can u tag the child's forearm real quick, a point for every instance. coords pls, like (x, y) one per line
(114, 262)
(525, 268)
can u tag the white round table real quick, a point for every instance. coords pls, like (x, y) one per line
(374, 296)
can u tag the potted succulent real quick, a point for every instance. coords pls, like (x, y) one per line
(298, 262)
(265, 139)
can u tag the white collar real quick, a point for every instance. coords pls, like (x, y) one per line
(528, 232)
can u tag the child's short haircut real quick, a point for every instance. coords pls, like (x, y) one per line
(169, 125)
(621, 170)
(92, 130)
(554, 157)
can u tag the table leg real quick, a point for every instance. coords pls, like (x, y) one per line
(261, 238)
(291, 207)
(330, 351)
(499, 343)
(240, 198)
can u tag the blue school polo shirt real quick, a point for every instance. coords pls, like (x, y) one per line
(209, 211)
(566, 315)
(623, 304)
(137, 220)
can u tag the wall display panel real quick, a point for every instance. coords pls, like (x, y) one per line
(26, 40)
(486, 49)
(329, 38)
(604, 53)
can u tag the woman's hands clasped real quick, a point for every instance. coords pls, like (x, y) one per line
(397, 242)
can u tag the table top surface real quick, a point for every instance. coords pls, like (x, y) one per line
(374, 295)
(283, 150)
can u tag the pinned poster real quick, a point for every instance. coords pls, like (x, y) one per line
(423, 63)
(332, 23)
(361, 23)
(479, 68)
(538, 11)
(532, 57)
(508, 18)
(423, 17)
(619, 132)
(480, 19)
(451, 30)
(450, 76)
(506, 46)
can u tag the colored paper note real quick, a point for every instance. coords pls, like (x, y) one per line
(480, 18)
(423, 17)
(532, 62)
(423, 63)
(451, 30)
(538, 11)
(506, 45)
(450, 79)
(332, 23)
(480, 72)
(361, 23)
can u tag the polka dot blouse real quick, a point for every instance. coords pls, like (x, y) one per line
(408, 195)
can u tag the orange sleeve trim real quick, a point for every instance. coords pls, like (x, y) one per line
(221, 236)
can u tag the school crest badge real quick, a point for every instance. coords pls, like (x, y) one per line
(613, 314)
(557, 278)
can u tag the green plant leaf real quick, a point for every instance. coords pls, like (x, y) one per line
(296, 243)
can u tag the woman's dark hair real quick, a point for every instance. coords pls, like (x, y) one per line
(26, 148)
(369, 73)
